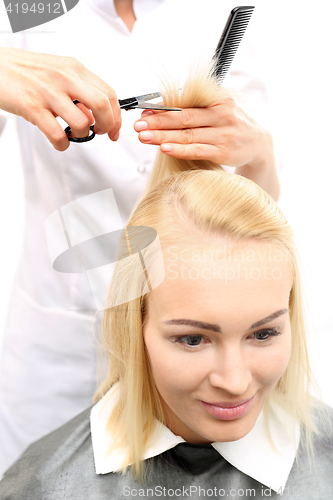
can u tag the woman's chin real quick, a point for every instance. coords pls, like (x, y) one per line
(231, 430)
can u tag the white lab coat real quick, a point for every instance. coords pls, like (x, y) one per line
(48, 366)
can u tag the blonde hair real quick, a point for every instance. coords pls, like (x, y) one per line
(200, 196)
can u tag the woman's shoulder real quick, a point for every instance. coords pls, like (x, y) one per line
(311, 475)
(323, 419)
(43, 462)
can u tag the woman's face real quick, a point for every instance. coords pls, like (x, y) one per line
(217, 333)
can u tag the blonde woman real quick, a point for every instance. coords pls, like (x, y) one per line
(208, 386)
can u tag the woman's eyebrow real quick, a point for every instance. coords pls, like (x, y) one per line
(217, 328)
(269, 318)
(192, 322)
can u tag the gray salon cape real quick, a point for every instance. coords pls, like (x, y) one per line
(61, 466)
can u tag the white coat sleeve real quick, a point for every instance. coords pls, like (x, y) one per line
(5, 38)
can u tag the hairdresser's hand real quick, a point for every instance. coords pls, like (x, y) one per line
(222, 133)
(40, 87)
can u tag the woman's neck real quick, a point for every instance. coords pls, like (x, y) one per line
(125, 11)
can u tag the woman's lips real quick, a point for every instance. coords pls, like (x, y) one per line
(228, 411)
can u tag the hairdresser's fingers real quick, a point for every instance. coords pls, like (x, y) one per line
(192, 151)
(104, 105)
(78, 117)
(238, 138)
(200, 135)
(86, 111)
(172, 120)
(187, 118)
(227, 148)
(47, 82)
(84, 132)
(148, 112)
(52, 129)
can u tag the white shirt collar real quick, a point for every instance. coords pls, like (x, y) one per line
(253, 455)
(141, 7)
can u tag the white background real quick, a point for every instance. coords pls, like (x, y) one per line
(297, 66)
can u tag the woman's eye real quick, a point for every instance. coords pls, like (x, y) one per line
(190, 340)
(265, 334)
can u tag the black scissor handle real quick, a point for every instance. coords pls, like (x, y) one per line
(128, 103)
(68, 131)
(89, 137)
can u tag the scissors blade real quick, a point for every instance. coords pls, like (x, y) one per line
(147, 97)
(140, 102)
(133, 102)
(149, 105)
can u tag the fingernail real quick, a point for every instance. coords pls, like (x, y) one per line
(166, 148)
(116, 136)
(146, 113)
(146, 136)
(141, 125)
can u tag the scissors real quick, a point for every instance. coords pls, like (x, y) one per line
(137, 102)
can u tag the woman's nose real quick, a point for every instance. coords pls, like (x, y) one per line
(231, 371)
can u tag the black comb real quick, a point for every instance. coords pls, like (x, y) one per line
(230, 39)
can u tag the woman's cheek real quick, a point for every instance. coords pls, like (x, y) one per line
(178, 372)
(272, 367)
(171, 373)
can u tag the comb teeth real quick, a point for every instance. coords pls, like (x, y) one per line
(231, 37)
